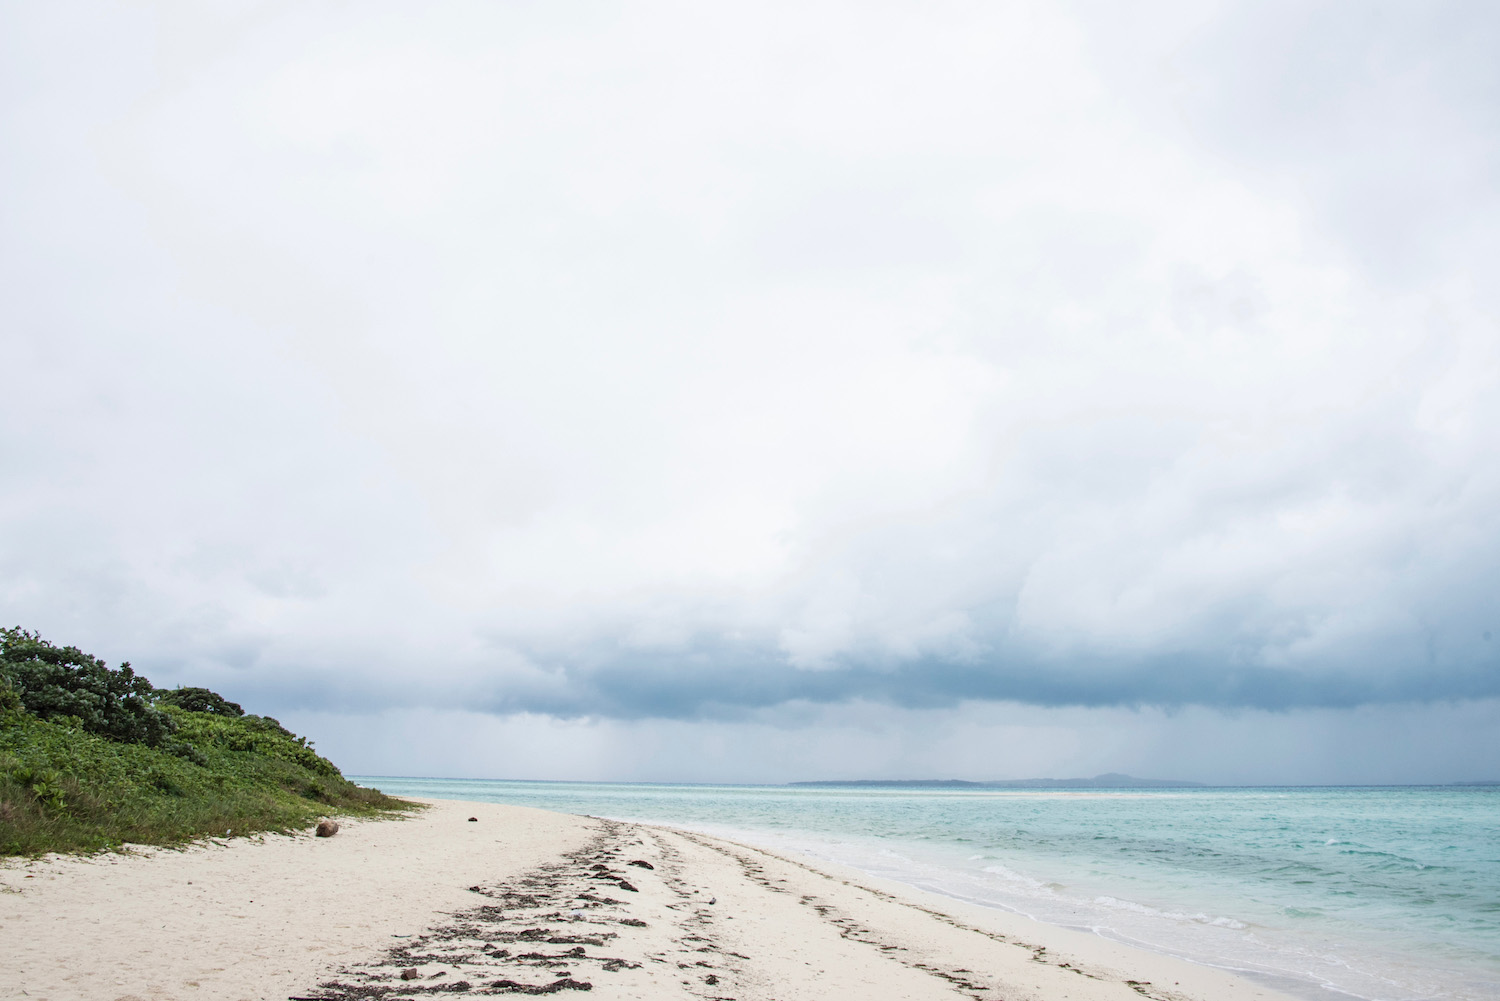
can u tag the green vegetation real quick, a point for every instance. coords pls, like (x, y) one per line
(64, 682)
(92, 757)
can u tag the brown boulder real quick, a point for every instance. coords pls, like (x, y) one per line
(327, 828)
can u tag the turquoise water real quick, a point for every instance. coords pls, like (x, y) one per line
(1378, 893)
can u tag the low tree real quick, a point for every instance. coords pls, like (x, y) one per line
(198, 700)
(53, 681)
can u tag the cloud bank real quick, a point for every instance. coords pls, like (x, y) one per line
(661, 363)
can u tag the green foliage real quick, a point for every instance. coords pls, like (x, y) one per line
(54, 682)
(45, 784)
(68, 784)
(185, 751)
(259, 735)
(65, 789)
(198, 700)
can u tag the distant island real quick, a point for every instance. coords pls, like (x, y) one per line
(1112, 780)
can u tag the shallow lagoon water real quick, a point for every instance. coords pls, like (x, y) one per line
(1384, 894)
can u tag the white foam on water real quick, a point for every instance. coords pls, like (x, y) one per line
(1016, 877)
(1199, 918)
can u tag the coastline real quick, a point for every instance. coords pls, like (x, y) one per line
(277, 916)
(1308, 891)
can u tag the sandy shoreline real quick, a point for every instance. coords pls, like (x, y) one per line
(525, 901)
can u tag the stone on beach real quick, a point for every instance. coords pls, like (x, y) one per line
(327, 828)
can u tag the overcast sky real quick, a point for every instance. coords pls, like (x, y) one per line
(768, 392)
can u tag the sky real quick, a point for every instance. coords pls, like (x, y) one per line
(765, 392)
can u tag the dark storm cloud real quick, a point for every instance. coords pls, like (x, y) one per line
(728, 685)
(714, 681)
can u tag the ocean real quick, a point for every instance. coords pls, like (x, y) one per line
(1384, 894)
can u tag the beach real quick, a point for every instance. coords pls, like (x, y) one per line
(525, 901)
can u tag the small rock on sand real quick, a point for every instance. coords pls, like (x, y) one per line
(473, 820)
(327, 828)
(410, 974)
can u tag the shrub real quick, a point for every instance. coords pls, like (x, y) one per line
(199, 700)
(186, 752)
(64, 789)
(91, 758)
(53, 682)
(260, 735)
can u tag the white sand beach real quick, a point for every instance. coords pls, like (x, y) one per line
(523, 901)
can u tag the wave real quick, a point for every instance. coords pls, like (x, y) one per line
(1198, 918)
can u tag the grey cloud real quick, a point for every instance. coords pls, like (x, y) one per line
(713, 681)
(1431, 743)
(615, 368)
(1379, 118)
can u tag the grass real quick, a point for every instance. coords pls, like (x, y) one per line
(63, 789)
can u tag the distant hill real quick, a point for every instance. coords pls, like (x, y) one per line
(1112, 780)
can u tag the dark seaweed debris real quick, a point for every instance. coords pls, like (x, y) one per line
(549, 906)
(565, 984)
